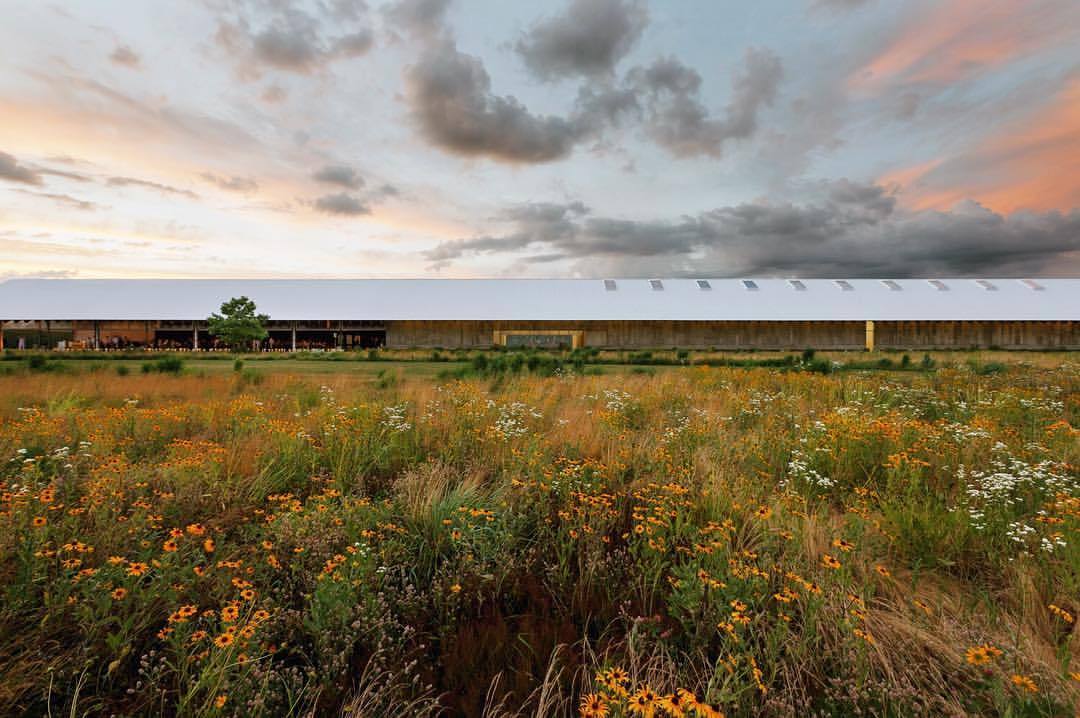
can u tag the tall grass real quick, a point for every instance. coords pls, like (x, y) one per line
(746, 539)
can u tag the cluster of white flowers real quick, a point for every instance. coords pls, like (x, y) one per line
(961, 434)
(917, 402)
(759, 402)
(1005, 490)
(798, 470)
(511, 420)
(680, 423)
(62, 454)
(616, 400)
(394, 418)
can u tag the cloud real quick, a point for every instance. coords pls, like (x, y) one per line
(107, 112)
(588, 38)
(43, 274)
(293, 47)
(423, 18)
(450, 98)
(125, 56)
(341, 204)
(235, 183)
(62, 173)
(11, 170)
(543, 222)
(1027, 164)
(451, 101)
(147, 184)
(354, 44)
(64, 199)
(294, 40)
(678, 120)
(851, 229)
(339, 175)
(274, 93)
(953, 40)
(840, 4)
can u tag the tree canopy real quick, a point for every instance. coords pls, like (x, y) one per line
(238, 325)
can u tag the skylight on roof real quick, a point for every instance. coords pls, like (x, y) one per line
(938, 285)
(1032, 284)
(657, 285)
(893, 286)
(703, 284)
(750, 284)
(988, 286)
(844, 284)
(797, 284)
(609, 285)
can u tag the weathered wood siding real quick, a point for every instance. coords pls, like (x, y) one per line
(753, 335)
(978, 335)
(628, 334)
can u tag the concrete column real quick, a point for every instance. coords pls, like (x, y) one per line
(195, 336)
(294, 337)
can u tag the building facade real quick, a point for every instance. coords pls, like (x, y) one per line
(735, 314)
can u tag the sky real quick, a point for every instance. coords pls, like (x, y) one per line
(571, 138)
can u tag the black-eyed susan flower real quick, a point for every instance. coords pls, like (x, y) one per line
(1024, 683)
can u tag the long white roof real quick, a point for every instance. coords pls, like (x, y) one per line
(550, 299)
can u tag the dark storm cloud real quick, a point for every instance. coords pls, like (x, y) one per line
(450, 98)
(339, 175)
(232, 184)
(451, 101)
(125, 56)
(588, 38)
(341, 204)
(11, 170)
(872, 199)
(680, 122)
(547, 223)
(851, 230)
(147, 184)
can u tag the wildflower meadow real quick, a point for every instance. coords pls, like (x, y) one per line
(695, 541)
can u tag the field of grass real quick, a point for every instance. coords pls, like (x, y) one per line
(380, 539)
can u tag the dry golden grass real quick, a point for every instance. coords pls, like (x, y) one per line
(766, 542)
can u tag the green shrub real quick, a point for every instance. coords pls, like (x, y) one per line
(164, 365)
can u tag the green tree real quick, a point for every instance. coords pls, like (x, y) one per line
(238, 325)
